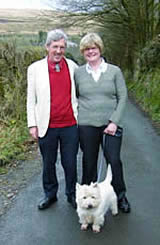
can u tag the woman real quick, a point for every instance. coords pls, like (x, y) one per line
(102, 96)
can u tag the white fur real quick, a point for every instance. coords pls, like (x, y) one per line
(94, 200)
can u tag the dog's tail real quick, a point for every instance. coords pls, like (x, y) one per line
(109, 174)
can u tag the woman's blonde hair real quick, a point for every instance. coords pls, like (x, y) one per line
(89, 40)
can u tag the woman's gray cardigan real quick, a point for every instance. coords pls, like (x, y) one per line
(102, 101)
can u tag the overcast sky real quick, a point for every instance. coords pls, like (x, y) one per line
(20, 4)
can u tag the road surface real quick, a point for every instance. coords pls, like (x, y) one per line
(58, 225)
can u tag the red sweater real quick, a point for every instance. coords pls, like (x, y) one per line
(61, 112)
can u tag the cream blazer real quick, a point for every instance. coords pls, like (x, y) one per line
(38, 94)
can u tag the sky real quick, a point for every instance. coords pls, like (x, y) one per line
(21, 4)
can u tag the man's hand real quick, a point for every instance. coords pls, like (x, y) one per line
(34, 132)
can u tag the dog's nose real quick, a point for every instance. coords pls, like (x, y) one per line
(90, 206)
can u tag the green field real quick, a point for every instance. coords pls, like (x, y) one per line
(28, 21)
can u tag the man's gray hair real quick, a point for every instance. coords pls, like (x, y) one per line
(56, 35)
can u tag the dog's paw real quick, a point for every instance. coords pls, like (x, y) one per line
(84, 227)
(115, 212)
(96, 228)
(114, 209)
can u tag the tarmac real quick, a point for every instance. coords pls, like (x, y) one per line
(25, 224)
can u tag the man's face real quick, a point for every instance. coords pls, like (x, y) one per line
(56, 50)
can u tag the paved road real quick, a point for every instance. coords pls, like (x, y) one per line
(24, 224)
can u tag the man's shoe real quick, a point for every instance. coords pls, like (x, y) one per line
(46, 203)
(124, 205)
(72, 201)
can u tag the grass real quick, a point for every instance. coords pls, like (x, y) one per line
(30, 21)
(3, 170)
(146, 91)
(14, 142)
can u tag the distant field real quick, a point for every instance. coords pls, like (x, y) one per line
(27, 21)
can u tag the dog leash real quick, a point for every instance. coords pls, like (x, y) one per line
(102, 159)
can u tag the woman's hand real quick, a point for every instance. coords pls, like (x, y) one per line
(34, 132)
(111, 129)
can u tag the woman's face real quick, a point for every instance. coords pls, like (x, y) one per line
(92, 54)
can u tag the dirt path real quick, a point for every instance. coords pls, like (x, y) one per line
(18, 176)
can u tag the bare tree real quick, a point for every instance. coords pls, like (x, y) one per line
(126, 25)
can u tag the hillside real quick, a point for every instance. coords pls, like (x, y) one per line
(31, 21)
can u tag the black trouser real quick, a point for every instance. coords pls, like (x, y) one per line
(67, 139)
(90, 140)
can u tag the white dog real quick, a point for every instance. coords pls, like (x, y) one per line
(94, 200)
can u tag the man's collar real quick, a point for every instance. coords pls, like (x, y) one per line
(56, 66)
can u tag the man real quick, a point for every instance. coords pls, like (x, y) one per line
(52, 113)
